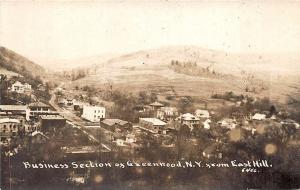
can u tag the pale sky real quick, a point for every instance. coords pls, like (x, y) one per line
(68, 30)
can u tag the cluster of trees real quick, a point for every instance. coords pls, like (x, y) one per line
(125, 104)
(294, 107)
(31, 77)
(24, 98)
(260, 104)
(76, 74)
(191, 68)
(183, 64)
(3, 89)
(89, 89)
(34, 81)
(146, 98)
(230, 96)
(186, 105)
(263, 105)
(50, 86)
(7, 97)
(253, 84)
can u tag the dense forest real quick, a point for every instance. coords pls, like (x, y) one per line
(11, 61)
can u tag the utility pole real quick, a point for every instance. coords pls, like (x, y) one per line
(179, 139)
(100, 138)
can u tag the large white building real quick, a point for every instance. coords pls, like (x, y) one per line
(20, 88)
(93, 113)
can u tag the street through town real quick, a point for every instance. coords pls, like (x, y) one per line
(73, 119)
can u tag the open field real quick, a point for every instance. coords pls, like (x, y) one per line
(149, 70)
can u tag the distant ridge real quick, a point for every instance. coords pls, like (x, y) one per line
(16, 63)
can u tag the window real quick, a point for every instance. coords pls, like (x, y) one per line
(4, 126)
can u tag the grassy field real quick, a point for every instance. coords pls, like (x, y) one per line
(149, 71)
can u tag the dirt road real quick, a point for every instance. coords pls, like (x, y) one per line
(71, 118)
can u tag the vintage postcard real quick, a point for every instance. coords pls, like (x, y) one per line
(149, 95)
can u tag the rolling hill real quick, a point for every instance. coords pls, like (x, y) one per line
(56, 65)
(268, 75)
(276, 76)
(12, 63)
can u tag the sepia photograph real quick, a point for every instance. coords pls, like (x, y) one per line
(149, 95)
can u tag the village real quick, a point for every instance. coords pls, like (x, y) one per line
(57, 126)
(149, 95)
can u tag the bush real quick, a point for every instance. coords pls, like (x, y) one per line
(170, 97)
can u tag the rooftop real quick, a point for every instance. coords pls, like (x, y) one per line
(61, 100)
(39, 133)
(227, 120)
(157, 104)
(13, 107)
(170, 109)
(18, 83)
(259, 116)
(85, 149)
(38, 104)
(202, 113)
(9, 120)
(111, 122)
(188, 116)
(88, 106)
(51, 117)
(155, 121)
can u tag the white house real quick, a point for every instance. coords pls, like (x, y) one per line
(20, 88)
(228, 123)
(166, 113)
(121, 142)
(202, 113)
(259, 117)
(130, 138)
(189, 120)
(206, 124)
(93, 113)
